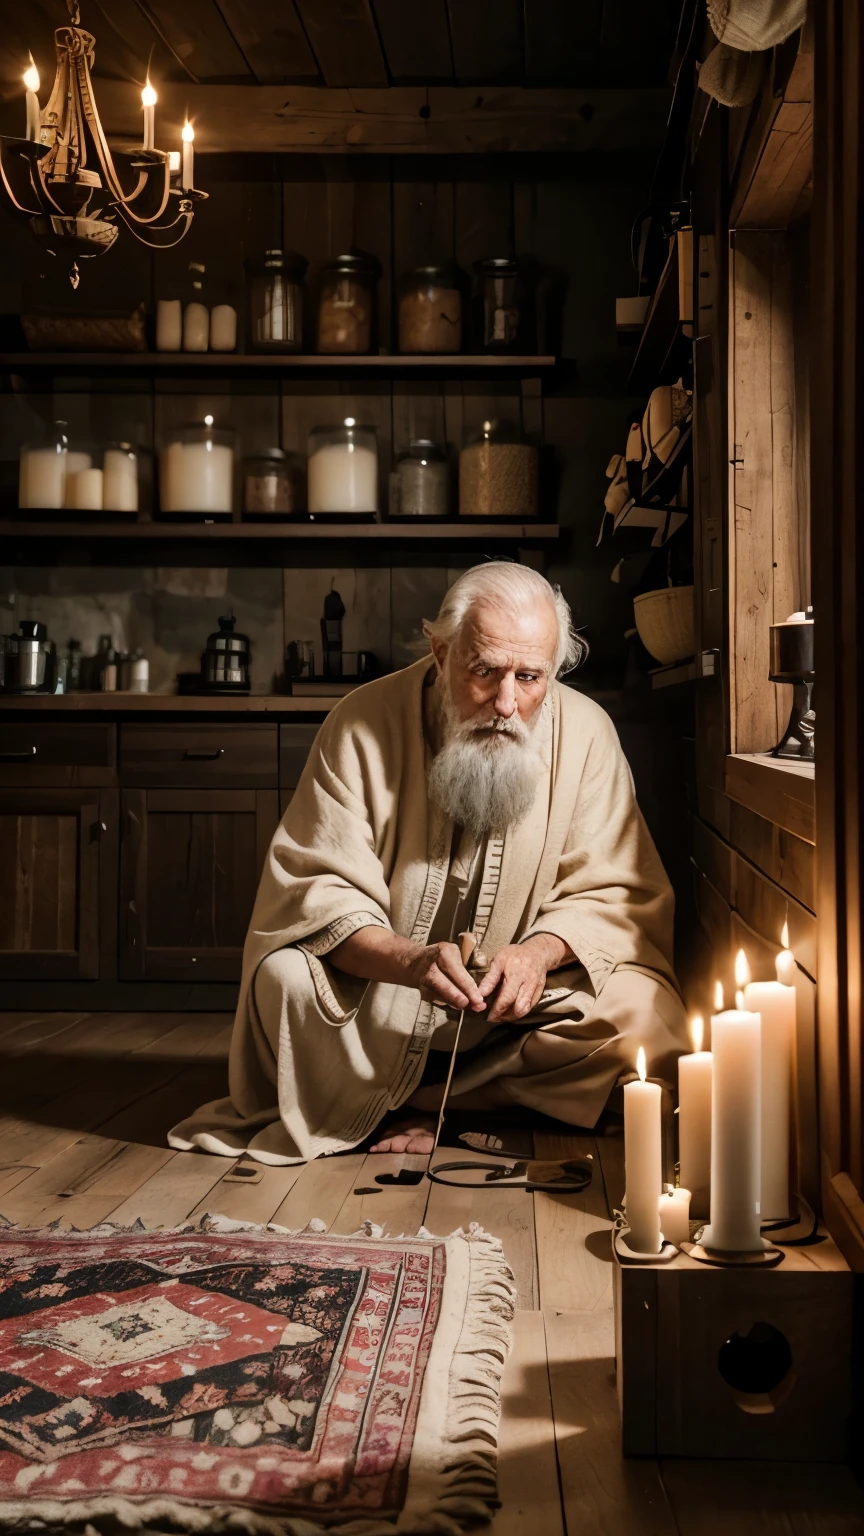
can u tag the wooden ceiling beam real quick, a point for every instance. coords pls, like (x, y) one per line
(400, 120)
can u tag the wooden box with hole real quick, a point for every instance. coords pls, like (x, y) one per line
(743, 1363)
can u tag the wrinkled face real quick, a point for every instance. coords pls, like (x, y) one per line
(497, 670)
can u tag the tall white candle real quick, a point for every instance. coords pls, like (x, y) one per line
(223, 328)
(675, 1216)
(196, 328)
(343, 477)
(694, 1122)
(42, 477)
(643, 1161)
(775, 1002)
(735, 1131)
(120, 480)
(169, 325)
(148, 102)
(188, 171)
(31, 84)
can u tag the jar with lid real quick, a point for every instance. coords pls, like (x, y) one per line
(503, 300)
(430, 311)
(420, 483)
(346, 304)
(498, 475)
(196, 472)
(342, 471)
(274, 301)
(273, 484)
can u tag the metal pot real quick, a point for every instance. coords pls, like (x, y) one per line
(29, 660)
(225, 662)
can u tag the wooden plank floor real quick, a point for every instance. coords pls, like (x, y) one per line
(85, 1101)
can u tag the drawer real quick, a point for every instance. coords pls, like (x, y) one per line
(294, 744)
(67, 753)
(228, 756)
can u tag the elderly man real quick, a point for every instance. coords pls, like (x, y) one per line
(471, 791)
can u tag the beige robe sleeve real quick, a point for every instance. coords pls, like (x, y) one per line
(611, 901)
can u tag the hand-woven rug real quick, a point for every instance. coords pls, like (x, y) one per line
(225, 1377)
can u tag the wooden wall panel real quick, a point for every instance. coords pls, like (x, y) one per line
(345, 40)
(271, 38)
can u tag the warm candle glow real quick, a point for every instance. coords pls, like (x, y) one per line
(31, 77)
(188, 133)
(719, 1000)
(148, 96)
(697, 1031)
(742, 970)
(641, 1066)
(784, 937)
(173, 160)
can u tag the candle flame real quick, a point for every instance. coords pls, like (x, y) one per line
(784, 937)
(188, 134)
(742, 969)
(641, 1067)
(697, 1031)
(31, 76)
(739, 1002)
(719, 1000)
(148, 95)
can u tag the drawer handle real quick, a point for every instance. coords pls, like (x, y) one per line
(17, 757)
(203, 757)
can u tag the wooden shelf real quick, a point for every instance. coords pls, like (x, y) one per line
(162, 703)
(780, 790)
(263, 363)
(663, 346)
(679, 672)
(289, 533)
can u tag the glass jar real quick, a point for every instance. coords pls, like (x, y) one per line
(346, 304)
(196, 471)
(420, 483)
(42, 472)
(272, 484)
(342, 472)
(120, 478)
(498, 475)
(430, 311)
(274, 301)
(503, 304)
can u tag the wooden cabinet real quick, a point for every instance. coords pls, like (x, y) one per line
(189, 869)
(223, 756)
(57, 884)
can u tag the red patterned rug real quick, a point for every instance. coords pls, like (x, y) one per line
(219, 1377)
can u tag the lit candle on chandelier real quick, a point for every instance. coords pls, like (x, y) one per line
(31, 85)
(148, 102)
(188, 137)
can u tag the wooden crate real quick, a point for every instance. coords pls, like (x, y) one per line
(671, 1323)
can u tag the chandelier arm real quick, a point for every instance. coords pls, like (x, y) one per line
(159, 245)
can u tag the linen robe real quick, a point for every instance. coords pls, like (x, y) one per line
(361, 843)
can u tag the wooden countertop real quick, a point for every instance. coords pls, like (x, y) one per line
(162, 703)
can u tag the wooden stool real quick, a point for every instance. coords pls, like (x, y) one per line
(749, 1363)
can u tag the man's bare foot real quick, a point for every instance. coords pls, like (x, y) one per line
(416, 1136)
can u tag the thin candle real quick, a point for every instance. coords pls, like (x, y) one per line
(694, 1120)
(148, 102)
(643, 1161)
(31, 86)
(188, 171)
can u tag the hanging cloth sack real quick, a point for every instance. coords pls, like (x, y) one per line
(753, 25)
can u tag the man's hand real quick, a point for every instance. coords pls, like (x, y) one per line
(377, 954)
(518, 972)
(438, 971)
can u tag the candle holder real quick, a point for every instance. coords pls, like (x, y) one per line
(766, 1257)
(627, 1255)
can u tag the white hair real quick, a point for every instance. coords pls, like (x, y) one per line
(511, 587)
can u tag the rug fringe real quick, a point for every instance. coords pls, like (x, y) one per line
(468, 1427)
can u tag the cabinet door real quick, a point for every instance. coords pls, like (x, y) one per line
(49, 883)
(189, 869)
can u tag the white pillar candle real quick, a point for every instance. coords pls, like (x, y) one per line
(775, 1002)
(196, 328)
(675, 1216)
(196, 477)
(148, 102)
(42, 477)
(223, 328)
(120, 480)
(736, 1049)
(643, 1161)
(694, 1122)
(86, 488)
(187, 177)
(75, 462)
(343, 477)
(31, 85)
(169, 325)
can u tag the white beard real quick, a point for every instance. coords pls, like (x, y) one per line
(485, 776)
